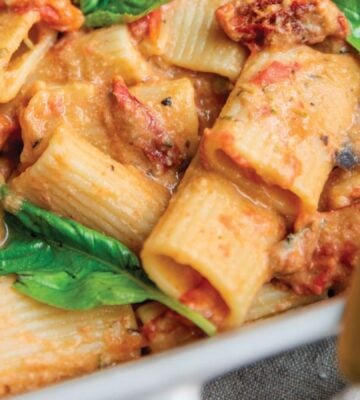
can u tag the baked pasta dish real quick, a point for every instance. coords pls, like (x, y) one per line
(169, 170)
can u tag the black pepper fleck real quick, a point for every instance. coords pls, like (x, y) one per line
(167, 102)
(324, 139)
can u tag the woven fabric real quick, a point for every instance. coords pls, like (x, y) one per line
(308, 373)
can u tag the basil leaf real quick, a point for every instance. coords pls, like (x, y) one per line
(107, 12)
(64, 264)
(351, 9)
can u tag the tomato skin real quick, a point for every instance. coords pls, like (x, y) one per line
(275, 72)
(263, 23)
(147, 26)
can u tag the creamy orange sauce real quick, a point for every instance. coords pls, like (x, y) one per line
(207, 301)
(78, 89)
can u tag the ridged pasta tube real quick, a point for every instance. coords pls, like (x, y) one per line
(191, 38)
(40, 345)
(289, 114)
(14, 31)
(76, 180)
(210, 228)
(272, 300)
(96, 56)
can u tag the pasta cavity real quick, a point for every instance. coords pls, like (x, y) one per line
(210, 231)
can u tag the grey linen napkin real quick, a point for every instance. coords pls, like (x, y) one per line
(307, 373)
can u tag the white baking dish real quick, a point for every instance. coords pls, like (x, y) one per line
(179, 373)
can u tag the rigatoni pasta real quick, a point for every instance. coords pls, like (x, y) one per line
(271, 300)
(40, 345)
(198, 160)
(113, 47)
(95, 56)
(52, 106)
(76, 105)
(212, 229)
(163, 331)
(190, 37)
(282, 119)
(76, 180)
(14, 36)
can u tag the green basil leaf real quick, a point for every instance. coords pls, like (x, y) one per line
(107, 12)
(64, 264)
(351, 9)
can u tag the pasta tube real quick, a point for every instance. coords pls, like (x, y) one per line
(272, 300)
(282, 121)
(96, 56)
(75, 105)
(115, 47)
(76, 180)
(211, 229)
(163, 330)
(40, 345)
(14, 31)
(191, 38)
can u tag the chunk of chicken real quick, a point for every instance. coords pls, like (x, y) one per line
(277, 22)
(132, 130)
(143, 129)
(322, 253)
